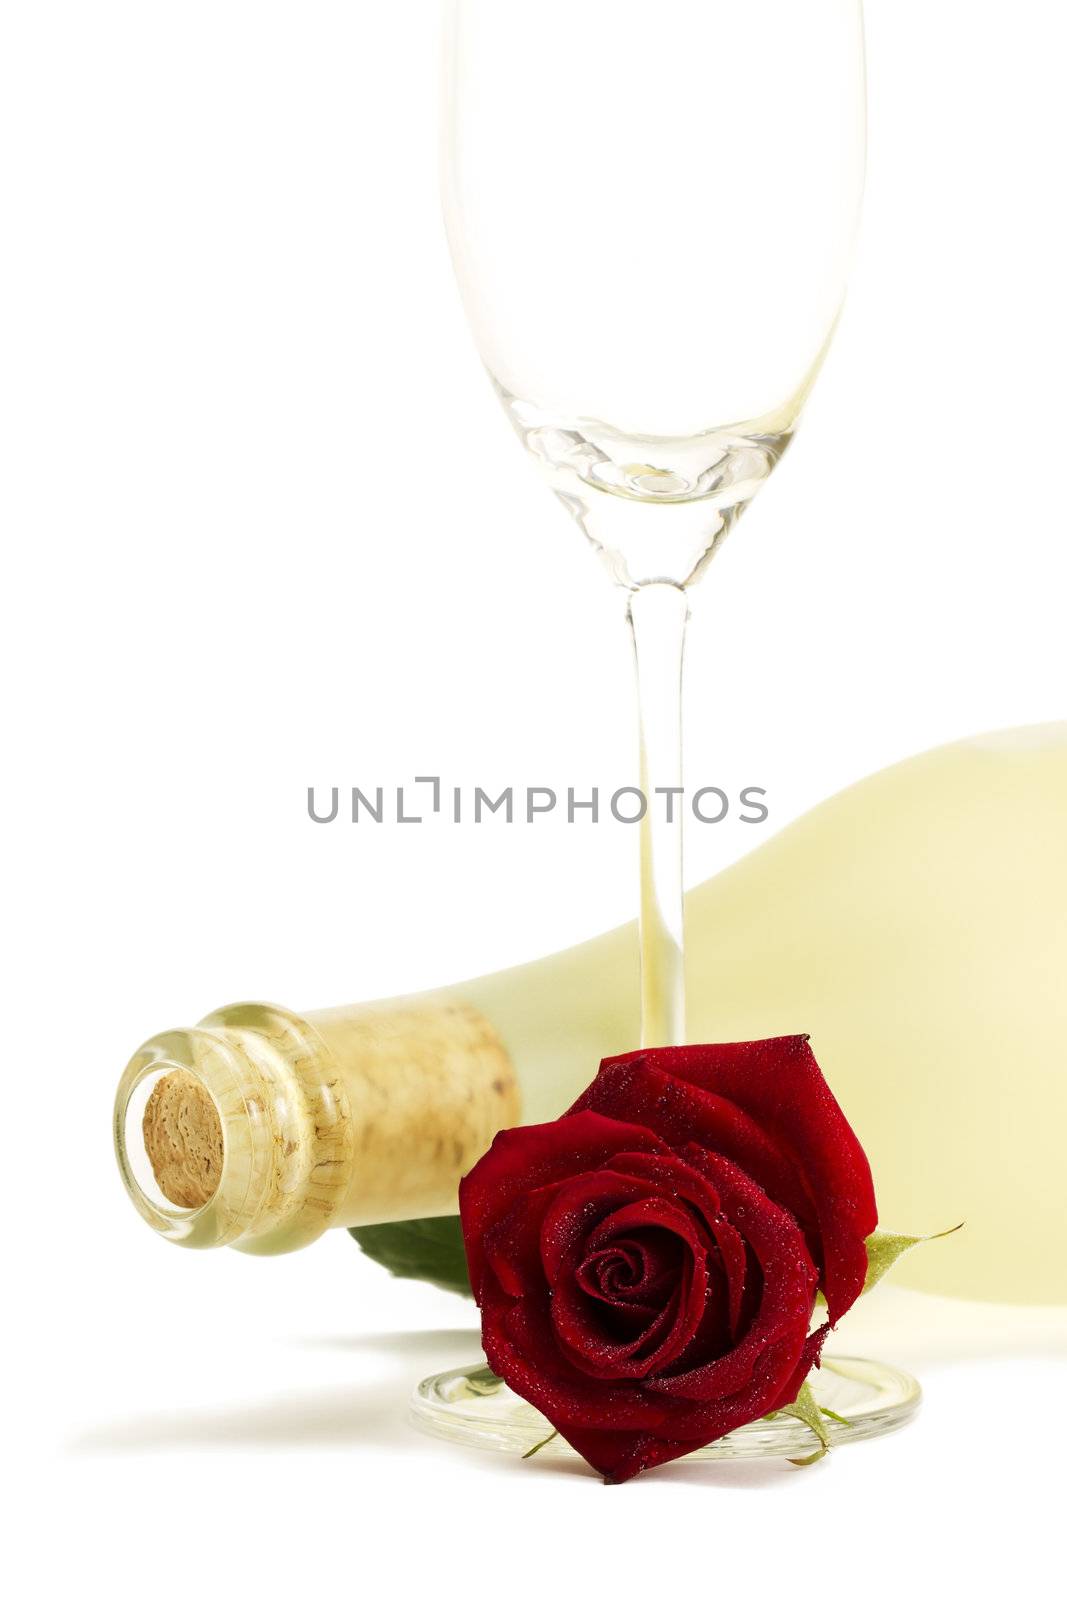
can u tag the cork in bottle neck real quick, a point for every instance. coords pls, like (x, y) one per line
(182, 1133)
(235, 1132)
(260, 1129)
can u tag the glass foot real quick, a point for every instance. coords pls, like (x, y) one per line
(472, 1406)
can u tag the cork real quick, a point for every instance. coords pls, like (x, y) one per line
(183, 1140)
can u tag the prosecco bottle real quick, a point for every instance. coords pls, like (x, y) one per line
(915, 925)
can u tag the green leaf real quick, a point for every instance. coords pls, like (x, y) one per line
(884, 1250)
(429, 1248)
(806, 1409)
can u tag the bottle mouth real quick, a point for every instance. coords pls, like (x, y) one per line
(188, 1140)
(236, 1132)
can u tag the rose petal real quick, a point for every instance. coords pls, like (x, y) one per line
(778, 1087)
(576, 1210)
(787, 1300)
(521, 1347)
(620, 1453)
(679, 1177)
(629, 1276)
(591, 1349)
(642, 1090)
(810, 1356)
(511, 1246)
(580, 1323)
(524, 1159)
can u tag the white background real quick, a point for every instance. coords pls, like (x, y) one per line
(265, 527)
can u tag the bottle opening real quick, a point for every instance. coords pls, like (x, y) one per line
(221, 1141)
(191, 1138)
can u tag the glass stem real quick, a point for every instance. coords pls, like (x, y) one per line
(658, 613)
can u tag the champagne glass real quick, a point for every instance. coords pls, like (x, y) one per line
(651, 206)
(651, 209)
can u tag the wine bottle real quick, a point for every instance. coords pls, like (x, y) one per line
(915, 925)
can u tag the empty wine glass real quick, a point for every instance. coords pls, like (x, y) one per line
(651, 209)
(651, 206)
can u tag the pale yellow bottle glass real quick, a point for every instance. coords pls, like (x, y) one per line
(913, 924)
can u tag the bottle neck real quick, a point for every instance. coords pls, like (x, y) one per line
(260, 1128)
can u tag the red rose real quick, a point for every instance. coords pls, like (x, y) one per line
(646, 1267)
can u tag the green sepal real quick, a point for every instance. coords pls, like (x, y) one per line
(806, 1409)
(884, 1250)
(428, 1248)
(540, 1445)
